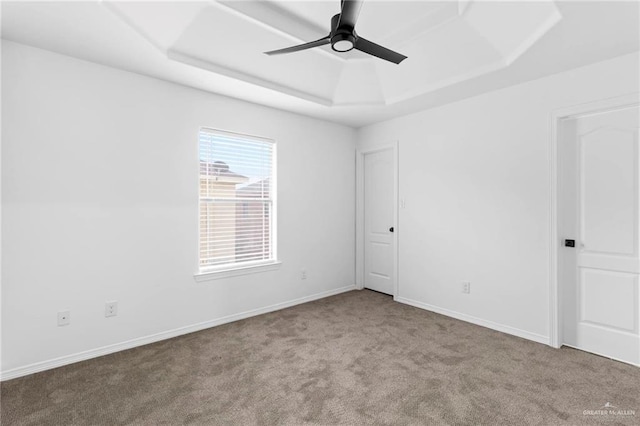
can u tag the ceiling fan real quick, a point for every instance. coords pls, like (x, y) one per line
(343, 37)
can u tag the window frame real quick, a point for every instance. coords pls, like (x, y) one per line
(226, 270)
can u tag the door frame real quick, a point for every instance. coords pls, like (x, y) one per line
(618, 102)
(360, 154)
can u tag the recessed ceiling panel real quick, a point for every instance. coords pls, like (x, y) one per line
(439, 58)
(380, 19)
(414, 27)
(279, 18)
(528, 21)
(227, 40)
(317, 12)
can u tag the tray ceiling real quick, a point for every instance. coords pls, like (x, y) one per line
(455, 49)
(446, 42)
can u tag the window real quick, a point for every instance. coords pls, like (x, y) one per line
(237, 209)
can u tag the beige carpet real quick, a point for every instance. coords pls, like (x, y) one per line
(355, 358)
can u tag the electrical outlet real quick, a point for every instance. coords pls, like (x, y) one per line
(64, 318)
(303, 274)
(466, 287)
(111, 309)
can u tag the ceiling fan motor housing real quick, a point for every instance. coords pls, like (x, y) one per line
(343, 38)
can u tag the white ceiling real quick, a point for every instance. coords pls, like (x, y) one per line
(455, 49)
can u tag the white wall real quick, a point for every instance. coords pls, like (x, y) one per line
(475, 179)
(99, 202)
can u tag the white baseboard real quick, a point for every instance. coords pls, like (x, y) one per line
(478, 321)
(129, 344)
(601, 354)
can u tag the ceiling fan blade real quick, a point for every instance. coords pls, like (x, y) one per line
(349, 13)
(371, 48)
(311, 44)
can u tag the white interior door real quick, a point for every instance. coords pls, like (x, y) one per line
(599, 204)
(378, 221)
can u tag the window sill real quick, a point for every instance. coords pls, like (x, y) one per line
(236, 271)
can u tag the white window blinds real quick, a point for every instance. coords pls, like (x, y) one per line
(237, 210)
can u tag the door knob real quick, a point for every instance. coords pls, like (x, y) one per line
(391, 229)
